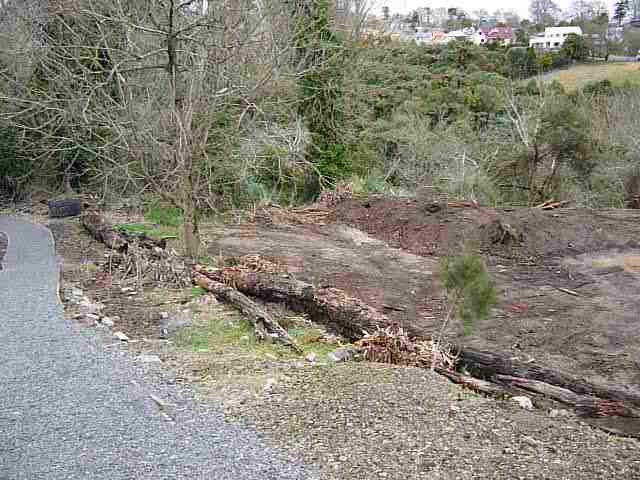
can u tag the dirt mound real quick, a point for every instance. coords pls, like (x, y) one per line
(410, 225)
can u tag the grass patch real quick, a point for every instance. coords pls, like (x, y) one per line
(153, 231)
(197, 292)
(226, 335)
(618, 74)
(164, 216)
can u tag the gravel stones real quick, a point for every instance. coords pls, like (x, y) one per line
(359, 420)
(4, 243)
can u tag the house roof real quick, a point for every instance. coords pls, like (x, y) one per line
(498, 33)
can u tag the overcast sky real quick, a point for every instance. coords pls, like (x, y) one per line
(521, 6)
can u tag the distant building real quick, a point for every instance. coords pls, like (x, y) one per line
(501, 35)
(553, 38)
(462, 35)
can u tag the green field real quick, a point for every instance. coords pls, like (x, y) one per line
(618, 73)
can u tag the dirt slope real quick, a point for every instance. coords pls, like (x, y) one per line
(567, 286)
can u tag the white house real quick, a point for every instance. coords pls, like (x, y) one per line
(553, 38)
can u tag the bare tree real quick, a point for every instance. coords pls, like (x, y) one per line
(136, 86)
(544, 12)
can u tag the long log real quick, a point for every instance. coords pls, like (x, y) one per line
(342, 314)
(476, 384)
(113, 238)
(585, 404)
(265, 326)
(490, 365)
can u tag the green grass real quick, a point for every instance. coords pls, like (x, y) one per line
(197, 292)
(617, 73)
(164, 216)
(224, 335)
(148, 229)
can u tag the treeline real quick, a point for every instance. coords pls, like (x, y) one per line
(232, 107)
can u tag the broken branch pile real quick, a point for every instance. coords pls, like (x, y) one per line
(138, 256)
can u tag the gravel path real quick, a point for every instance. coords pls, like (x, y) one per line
(69, 410)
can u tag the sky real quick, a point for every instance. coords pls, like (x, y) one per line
(521, 6)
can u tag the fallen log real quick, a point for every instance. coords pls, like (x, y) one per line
(586, 405)
(476, 384)
(490, 365)
(103, 232)
(345, 315)
(114, 238)
(266, 328)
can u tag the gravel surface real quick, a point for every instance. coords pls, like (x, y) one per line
(71, 410)
(376, 421)
(3, 247)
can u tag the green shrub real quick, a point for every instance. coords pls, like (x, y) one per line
(470, 290)
(599, 87)
(163, 215)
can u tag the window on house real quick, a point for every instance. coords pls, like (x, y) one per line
(557, 44)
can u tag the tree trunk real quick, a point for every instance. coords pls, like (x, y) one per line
(191, 235)
(265, 326)
(102, 231)
(347, 316)
(350, 316)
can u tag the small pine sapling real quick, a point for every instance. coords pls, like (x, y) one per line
(470, 293)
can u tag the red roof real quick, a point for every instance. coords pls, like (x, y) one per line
(498, 33)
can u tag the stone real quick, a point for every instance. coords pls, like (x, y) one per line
(341, 355)
(164, 315)
(121, 336)
(176, 321)
(92, 317)
(145, 358)
(557, 413)
(271, 385)
(312, 357)
(77, 292)
(523, 401)
(107, 322)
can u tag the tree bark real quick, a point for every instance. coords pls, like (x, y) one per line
(347, 316)
(104, 232)
(265, 326)
(190, 220)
